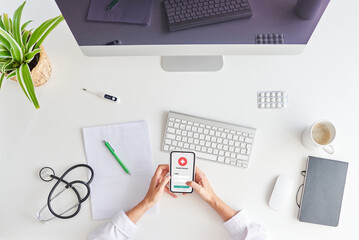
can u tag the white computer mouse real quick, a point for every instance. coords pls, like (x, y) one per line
(282, 190)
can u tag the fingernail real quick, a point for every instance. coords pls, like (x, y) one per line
(188, 183)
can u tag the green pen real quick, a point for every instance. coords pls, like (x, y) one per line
(112, 4)
(117, 158)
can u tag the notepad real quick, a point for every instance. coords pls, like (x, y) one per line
(112, 189)
(323, 191)
(125, 11)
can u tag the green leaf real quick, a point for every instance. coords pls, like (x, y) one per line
(2, 47)
(1, 23)
(31, 55)
(42, 31)
(5, 19)
(9, 61)
(10, 30)
(49, 30)
(4, 54)
(16, 24)
(20, 80)
(24, 76)
(11, 74)
(23, 27)
(9, 66)
(25, 37)
(2, 79)
(5, 42)
(15, 49)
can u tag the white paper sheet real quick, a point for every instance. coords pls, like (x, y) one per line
(112, 188)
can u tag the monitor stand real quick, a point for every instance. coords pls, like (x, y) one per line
(192, 63)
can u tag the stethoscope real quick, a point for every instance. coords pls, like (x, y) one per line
(47, 174)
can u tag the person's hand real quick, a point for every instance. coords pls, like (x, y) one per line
(204, 189)
(156, 189)
(158, 185)
(202, 186)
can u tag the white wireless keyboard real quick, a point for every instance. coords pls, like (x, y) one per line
(210, 140)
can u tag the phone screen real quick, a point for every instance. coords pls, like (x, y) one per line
(182, 167)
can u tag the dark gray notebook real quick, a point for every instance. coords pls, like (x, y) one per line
(323, 191)
(125, 11)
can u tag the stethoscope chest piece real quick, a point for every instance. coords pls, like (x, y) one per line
(47, 174)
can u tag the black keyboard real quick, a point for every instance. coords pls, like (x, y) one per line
(183, 14)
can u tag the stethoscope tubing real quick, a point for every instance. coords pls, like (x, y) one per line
(67, 186)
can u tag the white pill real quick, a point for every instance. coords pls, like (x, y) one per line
(262, 99)
(263, 94)
(285, 99)
(279, 105)
(273, 99)
(279, 94)
(284, 105)
(273, 105)
(268, 94)
(279, 99)
(267, 99)
(273, 94)
(268, 105)
(284, 94)
(262, 105)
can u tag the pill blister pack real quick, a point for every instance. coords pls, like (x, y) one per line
(272, 99)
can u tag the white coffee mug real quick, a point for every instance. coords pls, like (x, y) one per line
(319, 136)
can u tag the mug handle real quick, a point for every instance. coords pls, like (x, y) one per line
(329, 149)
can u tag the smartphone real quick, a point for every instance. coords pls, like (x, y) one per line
(182, 167)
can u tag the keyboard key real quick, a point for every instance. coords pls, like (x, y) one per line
(170, 136)
(166, 147)
(171, 130)
(168, 141)
(243, 157)
(207, 156)
(220, 159)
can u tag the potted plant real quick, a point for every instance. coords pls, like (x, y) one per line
(22, 57)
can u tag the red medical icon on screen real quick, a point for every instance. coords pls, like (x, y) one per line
(182, 161)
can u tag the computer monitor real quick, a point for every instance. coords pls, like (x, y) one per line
(141, 27)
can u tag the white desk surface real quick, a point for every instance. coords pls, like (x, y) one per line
(322, 83)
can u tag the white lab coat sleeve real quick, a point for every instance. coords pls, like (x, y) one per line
(241, 227)
(119, 228)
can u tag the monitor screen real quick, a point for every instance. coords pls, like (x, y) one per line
(148, 23)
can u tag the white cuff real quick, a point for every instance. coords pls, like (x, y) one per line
(237, 223)
(124, 224)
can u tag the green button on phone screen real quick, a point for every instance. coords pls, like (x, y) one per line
(177, 186)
